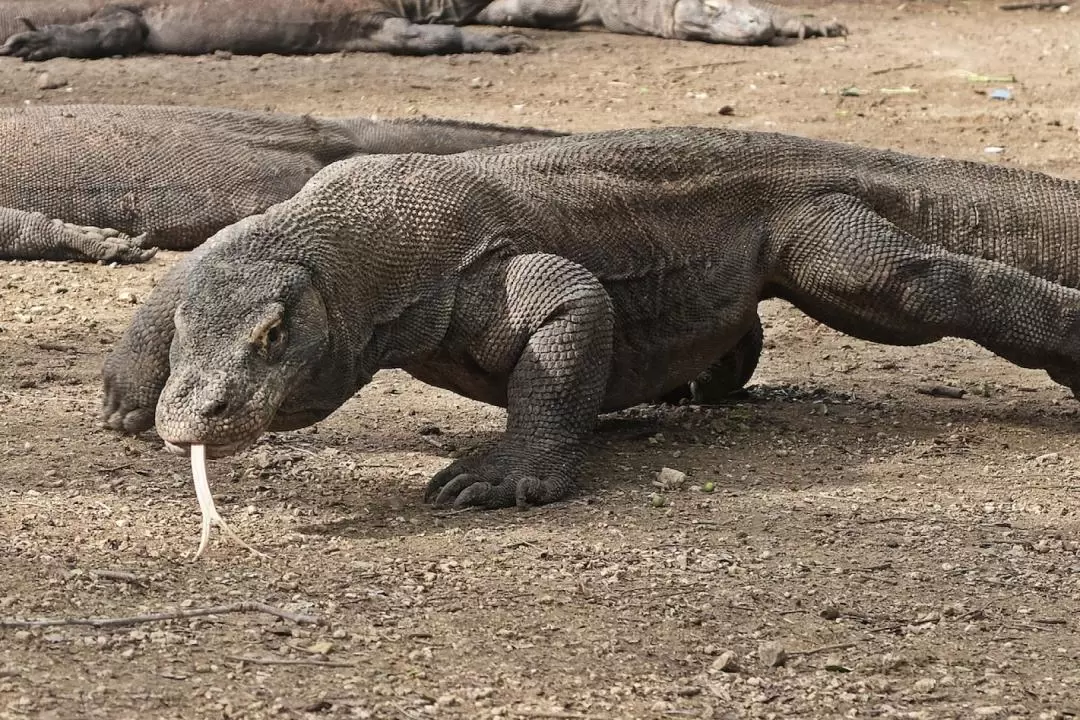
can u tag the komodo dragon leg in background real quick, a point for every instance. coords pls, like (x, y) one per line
(114, 30)
(32, 236)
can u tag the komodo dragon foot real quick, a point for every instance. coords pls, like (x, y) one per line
(33, 236)
(505, 477)
(803, 27)
(114, 30)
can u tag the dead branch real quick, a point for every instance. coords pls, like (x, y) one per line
(288, 661)
(246, 606)
(1044, 5)
(120, 575)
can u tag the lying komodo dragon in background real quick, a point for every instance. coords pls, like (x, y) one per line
(43, 29)
(176, 175)
(585, 274)
(734, 22)
(95, 28)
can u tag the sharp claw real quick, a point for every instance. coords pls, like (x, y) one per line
(453, 488)
(475, 494)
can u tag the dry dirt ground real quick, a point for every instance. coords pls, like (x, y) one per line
(915, 556)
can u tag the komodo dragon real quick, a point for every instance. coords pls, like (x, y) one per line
(96, 28)
(177, 175)
(584, 274)
(43, 29)
(733, 22)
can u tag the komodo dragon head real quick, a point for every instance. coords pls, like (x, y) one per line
(731, 22)
(226, 394)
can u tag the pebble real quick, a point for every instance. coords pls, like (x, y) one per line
(772, 654)
(925, 685)
(45, 81)
(988, 711)
(126, 296)
(670, 478)
(727, 662)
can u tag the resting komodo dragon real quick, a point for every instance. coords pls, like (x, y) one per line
(565, 278)
(176, 175)
(97, 28)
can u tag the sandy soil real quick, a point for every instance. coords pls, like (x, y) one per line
(915, 556)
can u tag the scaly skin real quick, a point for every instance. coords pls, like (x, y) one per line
(173, 176)
(564, 278)
(731, 22)
(94, 29)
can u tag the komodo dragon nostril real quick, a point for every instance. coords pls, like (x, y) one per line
(214, 407)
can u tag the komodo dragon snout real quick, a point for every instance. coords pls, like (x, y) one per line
(226, 394)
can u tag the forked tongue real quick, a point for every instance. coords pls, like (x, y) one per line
(210, 515)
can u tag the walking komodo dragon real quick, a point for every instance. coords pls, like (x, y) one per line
(584, 274)
(176, 175)
(43, 29)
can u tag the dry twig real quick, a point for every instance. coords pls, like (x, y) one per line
(289, 661)
(121, 575)
(246, 606)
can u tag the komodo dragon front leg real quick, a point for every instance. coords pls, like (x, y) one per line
(33, 236)
(114, 30)
(545, 347)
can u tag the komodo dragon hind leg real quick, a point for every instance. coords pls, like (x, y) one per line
(402, 37)
(845, 265)
(554, 333)
(114, 30)
(727, 375)
(33, 236)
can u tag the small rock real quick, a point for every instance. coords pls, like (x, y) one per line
(429, 428)
(126, 296)
(322, 647)
(772, 654)
(727, 662)
(670, 479)
(222, 55)
(890, 661)
(830, 613)
(925, 685)
(988, 711)
(657, 500)
(45, 81)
